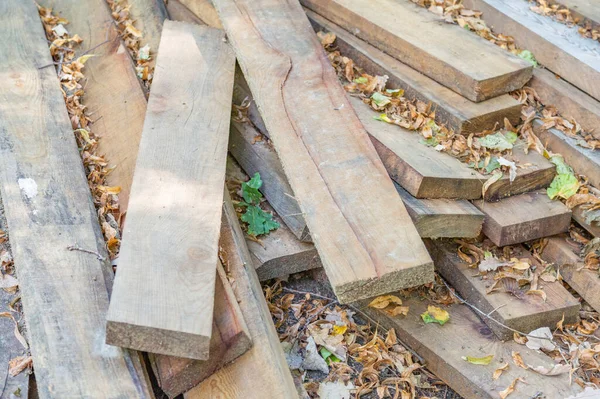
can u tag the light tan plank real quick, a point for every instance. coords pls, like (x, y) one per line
(325, 152)
(204, 10)
(164, 289)
(49, 208)
(179, 12)
(149, 16)
(523, 218)
(450, 55)
(454, 110)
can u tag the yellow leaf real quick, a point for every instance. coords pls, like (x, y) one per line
(133, 30)
(110, 190)
(339, 330)
(383, 301)
(484, 361)
(499, 371)
(435, 315)
(84, 58)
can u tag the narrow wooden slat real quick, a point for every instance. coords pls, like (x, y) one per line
(555, 45)
(454, 110)
(164, 290)
(230, 340)
(436, 218)
(49, 208)
(325, 152)
(523, 218)
(261, 373)
(579, 216)
(443, 348)
(397, 27)
(149, 16)
(523, 314)
(569, 100)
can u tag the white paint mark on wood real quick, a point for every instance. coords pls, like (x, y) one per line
(29, 187)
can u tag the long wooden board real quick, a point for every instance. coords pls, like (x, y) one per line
(555, 45)
(230, 340)
(568, 99)
(579, 216)
(148, 17)
(523, 218)
(48, 209)
(450, 55)
(325, 152)
(454, 110)
(585, 10)
(164, 290)
(262, 372)
(204, 10)
(443, 348)
(523, 314)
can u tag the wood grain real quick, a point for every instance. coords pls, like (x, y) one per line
(443, 348)
(262, 372)
(164, 289)
(523, 314)
(325, 152)
(523, 218)
(555, 45)
(49, 208)
(180, 12)
(204, 10)
(452, 109)
(230, 339)
(579, 216)
(450, 55)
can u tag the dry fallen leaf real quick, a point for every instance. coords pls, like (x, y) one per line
(383, 301)
(510, 389)
(539, 293)
(518, 360)
(499, 371)
(555, 370)
(17, 333)
(18, 364)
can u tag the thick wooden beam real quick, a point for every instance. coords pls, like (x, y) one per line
(556, 46)
(172, 231)
(523, 218)
(396, 27)
(262, 373)
(48, 209)
(443, 348)
(325, 152)
(230, 340)
(523, 314)
(454, 110)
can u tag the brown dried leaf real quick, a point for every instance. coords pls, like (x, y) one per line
(518, 360)
(499, 371)
(510, 389)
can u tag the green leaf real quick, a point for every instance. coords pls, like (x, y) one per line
(430, 142)
(434, 127)
(564, 186)
(496, 141)
(328, 356)
(561, 166)
(479, 360)
(435, 315)
(528, 56)
(379, 99)
(383, 118)
(250, 190)
(492, 165)
(259, 221)
(395, 92)
(361, 80)
(511, 137)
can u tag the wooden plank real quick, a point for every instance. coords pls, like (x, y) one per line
(584, 161)
(452, 109)
(325, 152)
(149, 16)
(397, 27)
(204, 10)
(443, 348)
(230, 340)
(113, 95)
(556, 46)
(180, 12)
(585, 10)
(523, 218)
(49, 208)
(572, 102)
(579, 217)
(564, 254)
(436, 218)
(259, 157)
(171, 236)
(522, 314)
(262, 372)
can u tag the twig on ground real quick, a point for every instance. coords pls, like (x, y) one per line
(88, 251)
(70, 62)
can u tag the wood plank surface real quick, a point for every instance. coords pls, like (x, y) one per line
(452, 56)
(325, 152)
(262, 372)
(113, 95)
(556, 46)
(523, 314)
(180, 12)
(585, 10)
(436, 218)
(149, 16)
(523, 218)
(579, 216)
(204, 10)
(170, 242)
(568, 99)
(49, 208)
(443, 348)
(454, 110)
(230, 340)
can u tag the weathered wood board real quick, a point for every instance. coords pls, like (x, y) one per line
(443, 348)
(523, 314)
(164, 290)
(325, 152)
(49, 208)
(458, 113)
(585, 10)
(452, 56)
(262, 372)
(229, 341)
(556, 46)
(204, 10)
(579, 216)
(180, 12)
(524, 217)
(149, 16)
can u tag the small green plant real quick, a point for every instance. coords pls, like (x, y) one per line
(258, 221)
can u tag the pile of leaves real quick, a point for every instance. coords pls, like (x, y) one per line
(256, 221)
(70, 74)
(562, 14)
(132, 39)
